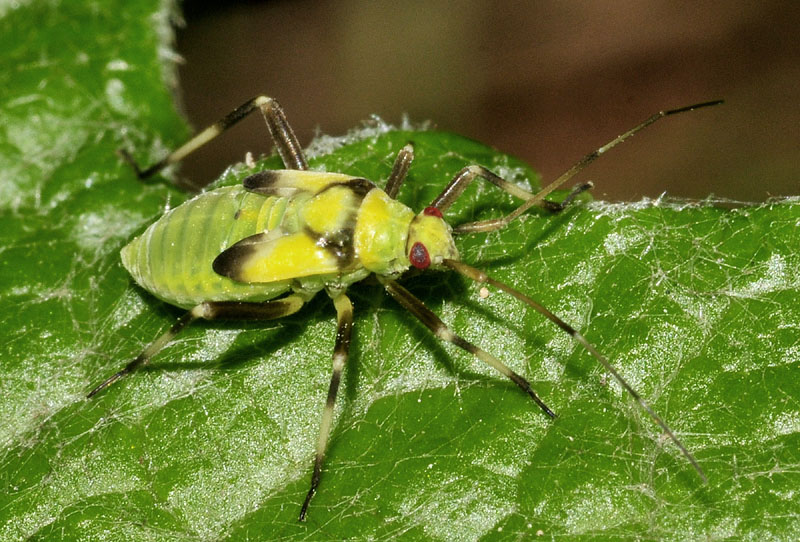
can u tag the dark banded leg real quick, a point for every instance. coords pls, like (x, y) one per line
(479, 276)
(286, 142)
(468, 174)
(344, 314)
(578, 189)
(440, 329)
(399, 170)
(464, 178)
(210, 310)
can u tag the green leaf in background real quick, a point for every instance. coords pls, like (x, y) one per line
(697, 305)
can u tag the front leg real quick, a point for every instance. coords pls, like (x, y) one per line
(467, 175)
(411, 303)
(464, 178)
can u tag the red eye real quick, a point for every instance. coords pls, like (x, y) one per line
(419, 256)
(432, 211)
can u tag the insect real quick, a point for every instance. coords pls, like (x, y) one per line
(261, 250)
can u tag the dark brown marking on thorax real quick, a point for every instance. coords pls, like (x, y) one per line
(359, 186)
(340, 243)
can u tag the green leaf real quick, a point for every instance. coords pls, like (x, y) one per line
(696, 304)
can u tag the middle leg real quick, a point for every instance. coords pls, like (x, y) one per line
(399, 170)
(344, 314)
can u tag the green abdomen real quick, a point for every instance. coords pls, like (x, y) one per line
(172, 258)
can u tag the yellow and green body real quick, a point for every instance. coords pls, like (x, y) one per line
(299, 230)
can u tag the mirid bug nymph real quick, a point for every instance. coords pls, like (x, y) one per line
(261, 250)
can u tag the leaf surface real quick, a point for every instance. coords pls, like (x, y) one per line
(696, 304)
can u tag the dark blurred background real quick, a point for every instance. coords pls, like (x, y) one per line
(547, 81)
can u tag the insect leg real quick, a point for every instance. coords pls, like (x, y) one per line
(463, 178)
(479, 276)
(457, 185)
(209, 310)
(344, 313)
(578, 189)
(399, 170)
(286, 142)
(440, 329)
